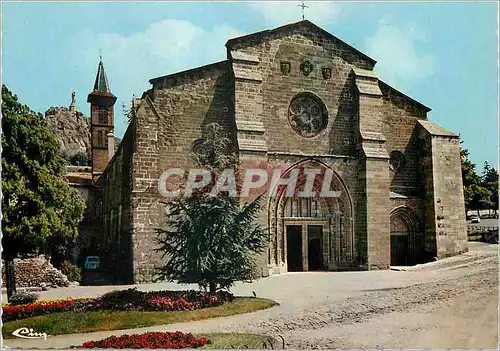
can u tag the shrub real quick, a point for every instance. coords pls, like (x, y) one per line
(23, 298)
(123, 300)
(73, 272)
(153, 340)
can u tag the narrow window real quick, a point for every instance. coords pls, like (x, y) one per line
(99, 138)
(103, 117)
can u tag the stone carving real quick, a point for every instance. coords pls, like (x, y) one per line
(306, 67)
(396, 161)
(307, 115)
(327, 72)
(72, 107)
(285, 67)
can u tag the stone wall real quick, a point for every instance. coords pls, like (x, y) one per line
(36, 272)
(116, 215)
(399, 129)
(294, 45)
(170, 119)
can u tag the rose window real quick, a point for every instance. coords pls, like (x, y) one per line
(307, 115)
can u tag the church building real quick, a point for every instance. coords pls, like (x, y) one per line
(291, 97)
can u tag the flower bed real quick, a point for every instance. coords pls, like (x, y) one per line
(14, 312)
(153, 340)
(121, 300)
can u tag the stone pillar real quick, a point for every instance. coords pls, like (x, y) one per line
(249, 126)
(111, 145)
(373, 222)
(305, 248)
(445, 223)
(146, 216)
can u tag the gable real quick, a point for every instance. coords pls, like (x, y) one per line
(308, 29)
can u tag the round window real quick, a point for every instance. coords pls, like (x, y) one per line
(307, 115)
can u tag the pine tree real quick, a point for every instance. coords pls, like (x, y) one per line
(211, 240)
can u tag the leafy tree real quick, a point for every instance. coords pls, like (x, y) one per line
(211, 240)
(480, 198)
(470, 179)
(490, 182)
(37, 202)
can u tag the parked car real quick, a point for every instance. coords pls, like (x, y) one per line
(475, 219)
(92, 262)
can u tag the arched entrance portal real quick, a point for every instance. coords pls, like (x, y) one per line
(311, 233)
(406, 241)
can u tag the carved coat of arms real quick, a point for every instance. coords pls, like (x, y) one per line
(306, 67)
(285, 67)
(327, 72)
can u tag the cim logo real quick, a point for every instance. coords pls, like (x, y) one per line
(29, 333)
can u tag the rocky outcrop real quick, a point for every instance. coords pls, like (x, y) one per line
(36, 272)
(71, 128)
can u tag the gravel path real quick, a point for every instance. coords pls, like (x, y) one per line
(452, 303)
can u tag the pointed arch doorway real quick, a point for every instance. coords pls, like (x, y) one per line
(406, 240)
(311, 233)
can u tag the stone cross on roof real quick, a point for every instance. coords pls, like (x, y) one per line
(303, 6)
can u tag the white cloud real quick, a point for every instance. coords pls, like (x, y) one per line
(281, 12)
(164, 47)
(399, 62)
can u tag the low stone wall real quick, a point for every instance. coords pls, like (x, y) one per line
(36, 272)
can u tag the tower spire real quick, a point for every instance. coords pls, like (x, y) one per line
(102, 103)
(101, 84)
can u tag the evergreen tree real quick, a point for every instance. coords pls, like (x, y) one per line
(211, 240)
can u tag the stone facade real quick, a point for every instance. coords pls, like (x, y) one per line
(398, 175)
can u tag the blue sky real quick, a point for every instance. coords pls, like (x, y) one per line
(442, 54)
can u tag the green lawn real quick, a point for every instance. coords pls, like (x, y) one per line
(238, 341)
(86, 322)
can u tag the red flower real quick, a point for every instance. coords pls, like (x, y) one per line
(153, 340)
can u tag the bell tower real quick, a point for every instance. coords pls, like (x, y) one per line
(102, 103)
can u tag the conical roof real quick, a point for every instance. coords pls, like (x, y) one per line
(101, 85)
